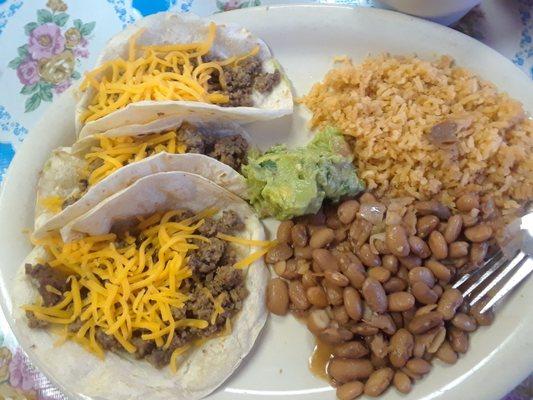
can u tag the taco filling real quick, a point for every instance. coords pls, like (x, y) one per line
(185, 71)
(154, 289)
(111, 153)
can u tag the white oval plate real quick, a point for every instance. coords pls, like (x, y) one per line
(305, 39)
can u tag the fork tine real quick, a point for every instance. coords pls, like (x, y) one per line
(514, 280)
(474, 279)
(492, 279)
(471, 277)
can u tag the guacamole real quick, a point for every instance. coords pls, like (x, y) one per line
(285, 183)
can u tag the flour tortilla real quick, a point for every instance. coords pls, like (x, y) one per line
(170, 28)
(83, 376)
(64, 169)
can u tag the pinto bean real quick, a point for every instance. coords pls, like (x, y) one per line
(446, 354)
(479, 233)
(390, 262)
(411, 261)
(438, 245)
(284, 231)
(423, 323)
(317, 296)
(336, 278)
(317, 321)
(395, 284)
(333, 293)
(347, 211)
(378, 382)
(449, 302)
(418, 366)
(355, 274)
(419, 247)
(402, 382)
(277, 297)
(287, 269)
(347, 369)
(396, 240)
(439, 270)
(422, 274)
(374, 295)
(364, 329)
(484, 319)
(333, 335)
(280, 252)
(401, 347)
(464, 322)
(353, 349)
(426, 225)
(478, 252)
(458, 249)
(432, 207)
(340, 315)
(297, 296)
(453, 228)
(458, 339)
(467, 202)
(350, 390)
(321, 238)
(325, 259)
(299, 235)
(381, 247)
(353, 303)
(303, 252)
(423, 293)
(368, 258)
(360, 231)
(379, 273)
(308, 280)
(400, 301)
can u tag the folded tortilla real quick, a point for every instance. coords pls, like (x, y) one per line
(170, 28)
(79, 373)
(61, 174)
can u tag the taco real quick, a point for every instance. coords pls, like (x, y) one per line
(77, 178)
(158, 292)
(171, 64)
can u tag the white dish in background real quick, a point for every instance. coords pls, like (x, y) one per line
(444, 12)
(305, 39)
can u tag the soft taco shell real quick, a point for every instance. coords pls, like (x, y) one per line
(170, 28)
(80, 374)
(62, 172)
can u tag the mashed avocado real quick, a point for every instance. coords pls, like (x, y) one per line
(285, 183)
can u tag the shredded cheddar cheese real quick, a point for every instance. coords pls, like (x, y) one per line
(253, 257)
(51, 203)
(128, 285)
(157, 72)
(112, 153)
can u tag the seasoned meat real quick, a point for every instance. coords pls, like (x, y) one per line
(230, 150)
(265, 82)
(208, 255)
(226, 278)
(241, 80)
(208, 228)
(75, 326)
(230, 222)
(143, 347)
(200, 306)
(43, 276)
(159, 358)
(192, 138)
(33, 322)
(178, 313)
(106, 341)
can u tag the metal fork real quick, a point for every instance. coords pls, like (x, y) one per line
(501, 272)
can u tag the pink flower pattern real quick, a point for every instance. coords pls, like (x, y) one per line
(46, 41)
(46, 64)
(28, 72)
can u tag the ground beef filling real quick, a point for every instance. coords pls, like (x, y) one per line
(243, 79)
(213, 275)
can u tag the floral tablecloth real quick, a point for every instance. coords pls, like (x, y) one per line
(47, 43)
